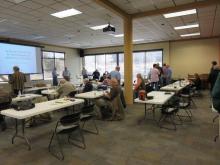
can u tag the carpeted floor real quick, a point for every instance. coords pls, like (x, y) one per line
(128, 142)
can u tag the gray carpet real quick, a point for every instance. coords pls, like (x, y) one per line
(128, 142)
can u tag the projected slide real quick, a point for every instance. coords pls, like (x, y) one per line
(27, 58)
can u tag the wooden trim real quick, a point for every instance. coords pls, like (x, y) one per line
(112, 7)
(176, 8)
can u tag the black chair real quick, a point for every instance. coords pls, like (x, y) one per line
(188, 94)
(184, 105)
(72, 94)
(170, 111)
(67, 125)
(88, 115)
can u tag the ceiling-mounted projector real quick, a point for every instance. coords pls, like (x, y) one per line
(109, 28)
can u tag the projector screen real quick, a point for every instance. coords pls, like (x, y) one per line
(27, 58)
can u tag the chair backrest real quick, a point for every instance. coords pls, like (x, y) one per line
(72, 94)
(70, 119)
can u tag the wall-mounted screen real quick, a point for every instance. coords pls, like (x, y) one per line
(27, 58)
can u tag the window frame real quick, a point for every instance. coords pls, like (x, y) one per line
(120, 52)
(54, 59)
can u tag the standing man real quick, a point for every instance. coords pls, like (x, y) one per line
(164, 75)
(154, 77)
(54, 75)
(169, 75)
(66, 74)
(115, 74)
(17, 80)
(84, 73)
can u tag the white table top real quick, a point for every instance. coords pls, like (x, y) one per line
(176, 86)
(90, 95)
(35, 89)
(159, 98)
(25, 97)
(41, 108)
(49, 92)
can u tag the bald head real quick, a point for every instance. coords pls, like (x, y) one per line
(62, 81)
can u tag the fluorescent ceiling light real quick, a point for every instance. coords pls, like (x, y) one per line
(17, 1)
(180, 13)
(66, 13)
(186, 26)
(191, 34)
(118, 35)
(38, 37)
(99, 27)
(138, 40)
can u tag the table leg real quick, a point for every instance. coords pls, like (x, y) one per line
(23, 133)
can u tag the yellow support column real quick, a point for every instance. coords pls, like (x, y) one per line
(128, 60)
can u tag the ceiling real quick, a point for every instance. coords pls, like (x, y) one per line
(31, 20)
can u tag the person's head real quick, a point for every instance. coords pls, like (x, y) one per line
(62, 81)
(117, 68)
(164, 64)
(139, 75)
(196, 75)
(114, 82)
(16, 69)
(154, 65)
(167, 66)
(65, 68)
(214, 63)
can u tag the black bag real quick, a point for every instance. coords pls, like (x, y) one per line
(23, 105)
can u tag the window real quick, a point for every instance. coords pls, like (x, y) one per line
(142, 62)
(90, 64)
(51, 60)
(103, 62)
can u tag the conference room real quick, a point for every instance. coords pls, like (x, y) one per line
(109, 82)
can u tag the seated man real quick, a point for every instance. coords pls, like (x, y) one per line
(65, 88)
(88, 85)
(107, 99)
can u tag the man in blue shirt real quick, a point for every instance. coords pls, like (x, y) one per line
(54, 75)
(116, 74)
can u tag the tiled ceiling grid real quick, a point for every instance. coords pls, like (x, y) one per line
(31, 20)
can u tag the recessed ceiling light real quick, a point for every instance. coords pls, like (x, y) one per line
(66, 13)
(180, 13)
(186, 26)
(138, 40)
(191, 34)
(99, 27)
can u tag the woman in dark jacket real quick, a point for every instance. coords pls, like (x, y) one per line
(216, 94)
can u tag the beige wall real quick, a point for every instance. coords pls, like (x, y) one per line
(184, 57)
(195, 56)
